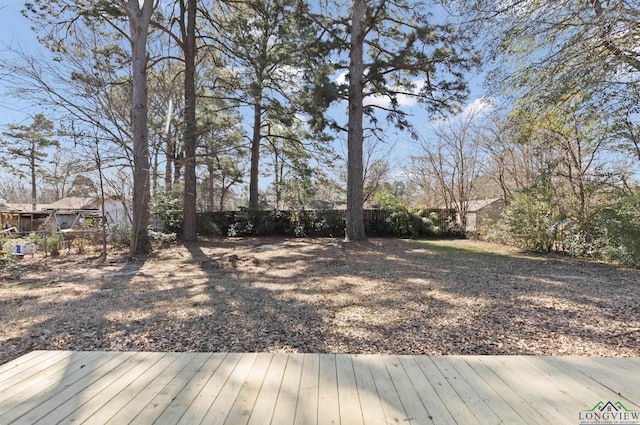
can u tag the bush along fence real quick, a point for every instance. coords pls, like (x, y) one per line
(328, 223)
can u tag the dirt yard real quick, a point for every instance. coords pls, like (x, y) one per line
(324, 295)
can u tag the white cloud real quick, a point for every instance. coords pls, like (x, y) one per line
(479, 108)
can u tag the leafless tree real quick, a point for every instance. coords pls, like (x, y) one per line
(450, 161)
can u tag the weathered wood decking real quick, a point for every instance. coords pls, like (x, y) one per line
(50, 387)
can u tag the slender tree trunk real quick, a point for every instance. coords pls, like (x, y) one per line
(278, 181)
(168, 168)
(223, 195)
(103, 213)
(177, 165)
(255, 152)
(210, 187)
(156, 154)
(189, 220)
(355, 214)
(34, 197)
(139, 19)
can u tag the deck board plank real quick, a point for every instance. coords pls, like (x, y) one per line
(583, 391)
(193, 363)
(309, 389)
(79, 387)
(32, 369)
(494, 400)
(241, 409)
(532, 386)
(630, 364)
(391, 404)
(461, 414)
(601, 371)
(307, 404)
(92, 395)
(284, 412)
(175, 363)
(268, 395)
(210, 391)
(10, 368)
(28, 399)
(220, 408)
(370, 404)
(328, 402)
(127, 392)
(181, 404)
(510, 395)
(436, 410)
(348, 400)
(465, 392)
(411, 402)
(36, 382)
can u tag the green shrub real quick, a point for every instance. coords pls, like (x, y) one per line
(620, 226)
(13, 266)
(243, 223)
(162, 239)
(577, 242)
(206, 225)
(495, 231)
(52, 244)
(167, 212)
(120, 234)
(399, 222)
(405, 223)
(8, 261)
(533, 222)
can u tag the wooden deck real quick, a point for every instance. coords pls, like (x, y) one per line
(50, 387)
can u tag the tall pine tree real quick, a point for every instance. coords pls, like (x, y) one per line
(26, 149)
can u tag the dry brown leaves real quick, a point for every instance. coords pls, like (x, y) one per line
(283, 295)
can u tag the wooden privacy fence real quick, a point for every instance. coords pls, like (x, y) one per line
(326, 223)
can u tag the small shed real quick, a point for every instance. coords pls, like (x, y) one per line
(67, 212)
(22, 217)
(482, 209)
(63, 214)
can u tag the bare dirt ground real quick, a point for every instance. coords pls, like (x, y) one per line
(324, 295)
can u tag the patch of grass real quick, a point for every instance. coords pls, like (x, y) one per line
(446, 247)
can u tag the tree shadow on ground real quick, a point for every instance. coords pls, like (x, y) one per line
(324, 295)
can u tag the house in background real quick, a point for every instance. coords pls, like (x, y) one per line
(22, 217)
(68, 212)
(117, 210)
(63, 214)
(481, 210)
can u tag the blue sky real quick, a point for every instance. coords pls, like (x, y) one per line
(16, 32)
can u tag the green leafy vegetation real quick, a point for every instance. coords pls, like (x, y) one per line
(619, 224)
(536, 224)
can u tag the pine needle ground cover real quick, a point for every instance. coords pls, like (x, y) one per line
(323, 295)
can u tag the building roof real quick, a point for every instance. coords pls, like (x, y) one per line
(69, 203)
(21, 207)
(72, 203)
(478, 204)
